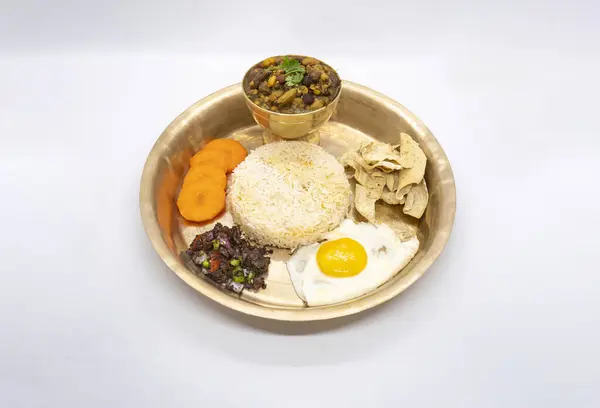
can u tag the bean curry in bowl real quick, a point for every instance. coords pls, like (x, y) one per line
(291, 84)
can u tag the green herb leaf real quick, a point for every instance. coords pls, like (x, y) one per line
(289, 63)
(294, 71)
(294, 79)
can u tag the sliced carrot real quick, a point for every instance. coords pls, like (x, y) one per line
(216, 157)
(233, 149)
(206, 173)
(199, 202)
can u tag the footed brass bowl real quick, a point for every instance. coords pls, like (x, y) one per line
(362, 114)
(290, 125)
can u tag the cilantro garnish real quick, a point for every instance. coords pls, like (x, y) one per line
(294, 71)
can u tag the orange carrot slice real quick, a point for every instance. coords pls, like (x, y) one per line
(235, 152)
(214, 157)
(199, 202)
(206, 173)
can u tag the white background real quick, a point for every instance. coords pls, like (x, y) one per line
(507, 317)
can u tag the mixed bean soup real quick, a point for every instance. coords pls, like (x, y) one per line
(292, 84)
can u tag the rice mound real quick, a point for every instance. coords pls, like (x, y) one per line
(287, 194)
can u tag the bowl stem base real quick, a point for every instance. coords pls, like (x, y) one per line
(313, 137)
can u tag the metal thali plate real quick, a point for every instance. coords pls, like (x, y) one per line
(362, 114)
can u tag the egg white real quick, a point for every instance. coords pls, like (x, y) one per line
(386, 255)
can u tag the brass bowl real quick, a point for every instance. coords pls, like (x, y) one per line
(290, 125)
(362, 114)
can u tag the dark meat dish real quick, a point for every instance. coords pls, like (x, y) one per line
(227, 259)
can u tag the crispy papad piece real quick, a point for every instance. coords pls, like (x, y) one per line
(364, 201)
(392, 181)
(390, 173)
(382, 156)
(368, 178)
(413, 161)
(396, 197)
(389, 196)
(416, 200)
(401, 193)
(349, 157)
(353, 162)
(404, 226)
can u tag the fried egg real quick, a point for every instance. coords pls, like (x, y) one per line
(354, 259)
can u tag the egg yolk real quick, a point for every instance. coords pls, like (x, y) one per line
(341, 258)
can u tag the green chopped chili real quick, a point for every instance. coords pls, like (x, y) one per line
(238, 275)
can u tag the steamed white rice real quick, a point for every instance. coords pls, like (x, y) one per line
(287, 194)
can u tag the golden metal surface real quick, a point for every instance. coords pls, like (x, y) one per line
(361, 114)
(287, 125)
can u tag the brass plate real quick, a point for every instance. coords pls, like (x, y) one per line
(361, 114)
